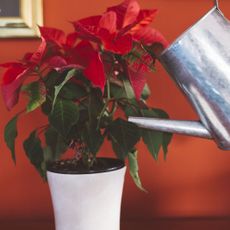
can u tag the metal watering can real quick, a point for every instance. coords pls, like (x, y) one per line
(199, 62)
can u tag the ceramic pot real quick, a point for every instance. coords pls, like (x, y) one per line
(87, 201)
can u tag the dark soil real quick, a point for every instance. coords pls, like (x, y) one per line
(72, 166)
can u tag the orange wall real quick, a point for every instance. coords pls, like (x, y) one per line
(194, 179)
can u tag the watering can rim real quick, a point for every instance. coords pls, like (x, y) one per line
(180, 37)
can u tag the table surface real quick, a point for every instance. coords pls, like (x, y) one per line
(157, 224)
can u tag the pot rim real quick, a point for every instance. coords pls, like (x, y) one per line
(113, 164)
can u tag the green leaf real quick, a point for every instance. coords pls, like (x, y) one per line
(128, 89)
(64, 115)
(10, 134)
(154, 50)
(124, 136)
(51, 79)
(153, 139)
(55, 142)
(37, 94)
(95, 105)
(58, 88)
(117, 91)
(132, 108)
(146, 92)
(167, 137)
(48, 155)
(46, 107)
(133, 169)
(72, 91)
(33, 150)
(139, 55)
(92, 137)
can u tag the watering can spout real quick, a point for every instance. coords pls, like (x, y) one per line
(191, 128)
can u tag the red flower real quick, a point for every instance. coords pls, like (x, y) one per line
(17, 72)
(12, 81)
(118, 31)
(119, 26)
(81, 55)
(149, 36)
(90, 59)
(102, 29)
(52, 35)
(131, 20)
(136, 69)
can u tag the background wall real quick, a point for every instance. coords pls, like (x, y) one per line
(194, 181)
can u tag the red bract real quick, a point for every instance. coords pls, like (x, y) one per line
(132, 20)
(149, 36)
(102, 30)
(118, 28)
(118, 21)
(12, 81)
(57, 62)
(119, 45)
(37, 56)
(137, 69)
(91, 60)
(87, 28)
(95, 71)
(138, 81)
(16, 73)
(82, 56)
(70, 40)
(52, 35)
(108, 22)
(116, 33)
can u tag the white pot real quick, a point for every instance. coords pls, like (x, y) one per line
(87, 201)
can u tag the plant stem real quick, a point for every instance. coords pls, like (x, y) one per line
(107, 99)
(102, 113)
(89, 109)
(113, 109)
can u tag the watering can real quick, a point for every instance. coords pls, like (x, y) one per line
(199, 63)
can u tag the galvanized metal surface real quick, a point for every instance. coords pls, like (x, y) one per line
(193, 128)
(199, 62)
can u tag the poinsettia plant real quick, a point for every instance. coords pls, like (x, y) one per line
(87, 83)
